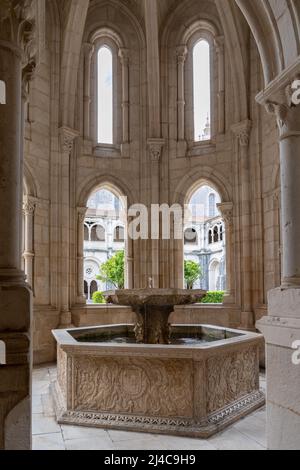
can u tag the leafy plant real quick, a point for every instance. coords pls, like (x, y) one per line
(113, 270)
(192, 273)
(213, 298)
(98, 298)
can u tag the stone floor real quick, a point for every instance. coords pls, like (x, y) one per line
(247, 434)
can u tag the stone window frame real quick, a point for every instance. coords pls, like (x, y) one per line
(203, 30)
(107, 37)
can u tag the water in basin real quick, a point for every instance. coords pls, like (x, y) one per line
(189, 335)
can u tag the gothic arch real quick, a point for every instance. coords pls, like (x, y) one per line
(198, 177)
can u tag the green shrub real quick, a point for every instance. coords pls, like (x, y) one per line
(213, 298)
(98, 298)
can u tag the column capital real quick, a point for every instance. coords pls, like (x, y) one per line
(67, 137)
(242, 132)
(219, 42)
(81, 213)
(88, 49)
(29, 205)
(181, 53)
(226, 209)
(124, 56)
(155, 148)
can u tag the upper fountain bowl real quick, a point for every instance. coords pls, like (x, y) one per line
(158, 297)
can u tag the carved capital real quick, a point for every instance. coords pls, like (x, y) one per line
(88, 49)
(155, 149)
(242, 132)
(67, 137)
(81, 214)
(124, 56)
(226, 210)
(181, 52)
(219, 42)
(29, 205)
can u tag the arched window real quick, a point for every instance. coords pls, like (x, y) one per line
(216, 234)
(105, 96)
(119, 235)
(2, 92)
(98, 234)
(202, 91)
(210, 237)
(212, 205)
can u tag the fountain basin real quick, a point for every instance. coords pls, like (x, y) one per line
(194, 389)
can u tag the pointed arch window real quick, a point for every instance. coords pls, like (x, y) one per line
(105, 95)
(202, 91)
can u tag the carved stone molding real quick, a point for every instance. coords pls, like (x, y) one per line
(181, 53)
(81, 213)
(242, 132)
(124, 56)
(29, 205)
(67, 137)
(155, 149)
(219, 42)
(226, 209)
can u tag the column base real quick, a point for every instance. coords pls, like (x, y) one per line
(15, 375)
(281, 329)
(65, 321)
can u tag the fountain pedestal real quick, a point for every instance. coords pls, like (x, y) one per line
(153, 308)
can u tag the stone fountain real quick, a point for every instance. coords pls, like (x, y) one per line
(153, 308)
(189, 380)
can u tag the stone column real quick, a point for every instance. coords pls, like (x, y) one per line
(17, 50)
(181, 52)
(81, 213)
(67, 137)
(281, 327)
(226, 210)
(29, 205)
(124, 59)
(88, 52)
(219, 45)
(155, 152)
(242, 134)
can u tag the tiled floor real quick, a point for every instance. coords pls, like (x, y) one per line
(247, 434)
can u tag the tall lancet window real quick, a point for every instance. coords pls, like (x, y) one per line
(105, 96)
(202, 91)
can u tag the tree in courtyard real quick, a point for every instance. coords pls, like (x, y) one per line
(192, 273)
(113, 270)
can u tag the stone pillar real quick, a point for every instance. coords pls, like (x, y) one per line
(281, 327)
(29, 205)
(155, 152)
(181, 52)
(67, 137)
(17, 52)
(88, 52)
(226, 210)
(124, 59)
(81, 213)
(219, 45)
(242, 134)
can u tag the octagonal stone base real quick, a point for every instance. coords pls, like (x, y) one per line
(191, 391)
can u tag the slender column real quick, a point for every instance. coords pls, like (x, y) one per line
(29, 206)
(124, 58)
(226, 210)
(67, 137)
(81, 213)
(182, 52)
(219, 45)
(242, 134)
(281, 327)
(88, 52)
